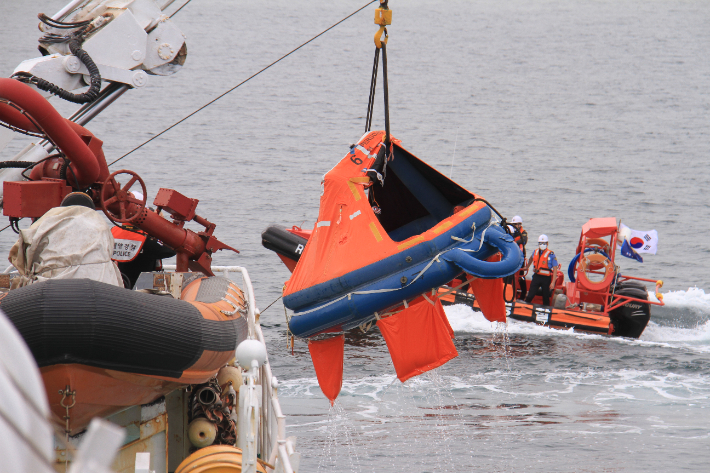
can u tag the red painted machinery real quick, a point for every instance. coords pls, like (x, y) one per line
(80, 166)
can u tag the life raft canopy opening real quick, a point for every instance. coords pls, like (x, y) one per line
(415, 196)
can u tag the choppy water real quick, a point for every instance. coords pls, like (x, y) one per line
(558, 111)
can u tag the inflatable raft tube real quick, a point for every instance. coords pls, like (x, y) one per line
(353, 299)
(118, 348)
(287, 245)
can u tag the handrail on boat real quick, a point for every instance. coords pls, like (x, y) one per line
(272, 440)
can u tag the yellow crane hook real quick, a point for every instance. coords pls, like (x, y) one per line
(383, 17)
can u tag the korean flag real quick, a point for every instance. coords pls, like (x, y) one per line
(640, 242)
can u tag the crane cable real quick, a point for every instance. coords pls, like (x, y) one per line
(383, 18)
(243, 82)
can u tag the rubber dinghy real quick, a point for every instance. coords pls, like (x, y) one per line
(390, 228)
(118, 348)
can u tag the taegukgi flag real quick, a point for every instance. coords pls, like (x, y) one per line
(640, 242)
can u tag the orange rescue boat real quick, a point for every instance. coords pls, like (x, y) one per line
(597, 299)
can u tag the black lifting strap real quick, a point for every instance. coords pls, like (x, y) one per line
(387, 96)
(373, 84)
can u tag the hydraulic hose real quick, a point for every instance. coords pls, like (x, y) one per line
(94, 87)
(16, 164)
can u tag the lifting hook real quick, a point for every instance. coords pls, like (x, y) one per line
(383, 17)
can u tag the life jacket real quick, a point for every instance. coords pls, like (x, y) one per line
(127, 244)
(518, 238)
(541, 262)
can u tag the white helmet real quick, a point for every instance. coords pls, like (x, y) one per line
(543, 239)
(517, 219)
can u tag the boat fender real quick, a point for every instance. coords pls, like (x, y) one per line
(218, 459)
(230, 375)
(511, 260)
(596, 259)
(201, 432)
(250, 351)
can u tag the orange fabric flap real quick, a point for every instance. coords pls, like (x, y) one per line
(489, 295)
(418, 338)
(441, 313)
(327, 356)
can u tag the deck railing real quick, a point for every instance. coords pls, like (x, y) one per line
(275, 450)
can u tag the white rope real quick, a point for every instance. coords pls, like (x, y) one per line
(473, 235)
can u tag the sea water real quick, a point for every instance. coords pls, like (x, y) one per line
(558, 111)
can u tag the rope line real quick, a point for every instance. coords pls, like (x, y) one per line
(183, 6)
(243, 82)
(267, 307)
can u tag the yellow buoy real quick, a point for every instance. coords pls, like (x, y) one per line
(230, 374)
(201, 432)
(215, 459)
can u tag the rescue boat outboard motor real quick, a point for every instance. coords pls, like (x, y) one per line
(631, 318)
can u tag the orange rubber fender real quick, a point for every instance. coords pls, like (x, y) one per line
(215, 459)
(596, 260)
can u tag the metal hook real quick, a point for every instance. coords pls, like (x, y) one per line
(378, 37)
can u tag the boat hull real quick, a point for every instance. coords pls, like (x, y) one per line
(628, 320)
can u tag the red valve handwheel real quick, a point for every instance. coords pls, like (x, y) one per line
(122, 196)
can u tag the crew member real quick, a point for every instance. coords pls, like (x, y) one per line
(545, 267)
(136, 252)
(520, 236)
(68, 242)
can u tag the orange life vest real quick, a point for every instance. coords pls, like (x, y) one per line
(541, 262)
(518, 238)
(126, 244)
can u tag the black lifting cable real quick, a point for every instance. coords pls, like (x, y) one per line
(373, 86)
(387, 97)
(243, 82)
(383, 17)
(504, 222)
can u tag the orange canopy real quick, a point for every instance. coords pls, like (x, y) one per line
(348, 235)
(346, 224)
(599, 227)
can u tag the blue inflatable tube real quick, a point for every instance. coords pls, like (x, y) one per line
(509, 264)
(570, 268)
(435, 267)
